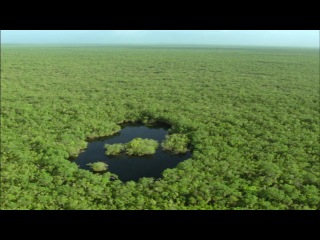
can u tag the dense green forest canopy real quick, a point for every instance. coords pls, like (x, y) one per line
(251, 115)
(176, 143)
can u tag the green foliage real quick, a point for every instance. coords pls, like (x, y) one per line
(98, 166)
(114, 149)
(176, 143)
(251, 114)
(139, 146)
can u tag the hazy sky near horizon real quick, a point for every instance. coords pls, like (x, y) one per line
(288, 38)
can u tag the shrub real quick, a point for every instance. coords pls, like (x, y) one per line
(114, 149)
(98, 166)
(139, 146)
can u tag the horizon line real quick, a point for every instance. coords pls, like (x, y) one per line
(159, 44)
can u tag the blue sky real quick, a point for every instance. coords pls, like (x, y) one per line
(289, 38)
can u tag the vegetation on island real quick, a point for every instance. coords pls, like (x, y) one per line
(98, 166)
(139, 146)
(114, 149)
(136, 147)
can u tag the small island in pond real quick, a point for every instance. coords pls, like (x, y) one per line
(136, 147)
(98, 166)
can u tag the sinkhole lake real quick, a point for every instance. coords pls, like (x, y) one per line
(126, 167)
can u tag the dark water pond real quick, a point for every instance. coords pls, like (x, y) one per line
(132, 167)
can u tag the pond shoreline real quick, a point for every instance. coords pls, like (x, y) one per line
(129, 168)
